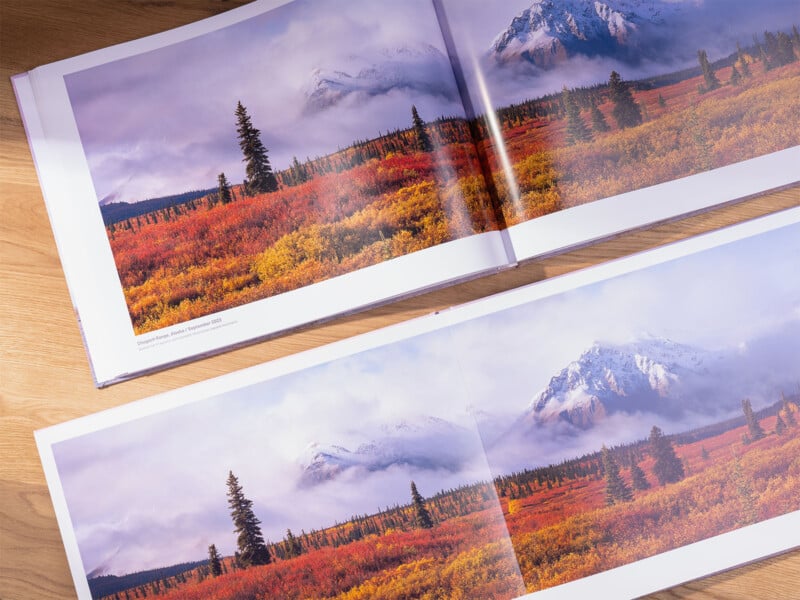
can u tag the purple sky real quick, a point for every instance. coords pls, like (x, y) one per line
(163, 122)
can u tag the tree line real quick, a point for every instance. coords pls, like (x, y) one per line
(252, 550)
(776, 49)
(260, 178)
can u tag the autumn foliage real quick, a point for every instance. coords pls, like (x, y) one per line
(204, 256)
(384, 198)
(549, 525)
(684, 132)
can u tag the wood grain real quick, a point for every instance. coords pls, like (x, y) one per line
(44, 374)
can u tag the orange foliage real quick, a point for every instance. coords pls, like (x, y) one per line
(183, 266)
(736, 485)
(453, 560)
(692, 133)
(558, 533)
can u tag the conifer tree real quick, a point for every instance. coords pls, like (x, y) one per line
(667, 467)
(224, 192)
(709, 76)
(787, 410)
(780, 426)
(626, 112)
(577, 131)
(736, 77)
(638, 478)
(423, 517)
(423, 140)
(260, 177)
(616, 488)
(599, 123)
(785, 50)
(252, 549)
(293, 547)
(753, 426)
(298, 172)
(748, 512)
(742, 60)
(214, 562)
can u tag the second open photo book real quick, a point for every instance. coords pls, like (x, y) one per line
(620, 429)
(287, 162)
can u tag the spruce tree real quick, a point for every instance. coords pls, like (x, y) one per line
(667, 467)
(577, 131)
(709, 76)
(736, 77)
(626, 112)
(742, 60)
(423, 517)
(638, 478)
(260, 177)
(599, 123)
(753, 426)
(214, 562)
(252, 549)
(292, 544)
(780, 426)
(616, 488)
(787, 410)
(224, 192)
(748, 511)
(423, 140)
(784, 50)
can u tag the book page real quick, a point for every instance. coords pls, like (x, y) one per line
(637, 425)
(600, 117)
(350, 472)
(276, 165)
(615, 431)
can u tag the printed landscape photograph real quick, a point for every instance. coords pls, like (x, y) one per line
(292, 147)
(361, 478)
(644, 413)
(502, 454)
(578, 100)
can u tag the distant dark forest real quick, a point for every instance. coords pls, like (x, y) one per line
(107, 585)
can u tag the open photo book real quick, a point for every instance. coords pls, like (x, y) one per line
(286, 162)
(608, 433)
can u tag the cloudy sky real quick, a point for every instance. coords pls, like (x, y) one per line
(741, 300)
(152, 492)
(163, 122)
(715, 25)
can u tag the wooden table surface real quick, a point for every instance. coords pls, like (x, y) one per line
(45, 374)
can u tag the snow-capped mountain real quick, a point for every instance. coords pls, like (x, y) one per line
(551, 31)
(422, 69)
(652, 375)
(427, 443)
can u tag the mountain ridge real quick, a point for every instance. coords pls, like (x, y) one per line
(406, 443)
(550, 32)
(649, 374)
(422, 68)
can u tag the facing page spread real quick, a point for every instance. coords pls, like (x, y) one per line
(287, 162)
